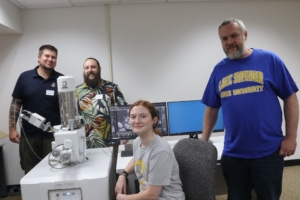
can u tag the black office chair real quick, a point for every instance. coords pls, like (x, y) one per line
(197, 162)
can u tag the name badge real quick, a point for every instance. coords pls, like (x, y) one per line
(50, 92)
(99, 96)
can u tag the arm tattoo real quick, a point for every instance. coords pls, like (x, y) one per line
(14, 111)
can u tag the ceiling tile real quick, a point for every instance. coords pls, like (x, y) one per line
(93, 2)
(186, 0)
(233, 0)
(143, 1)
(31, 4)
(89, 1)
(42, 3)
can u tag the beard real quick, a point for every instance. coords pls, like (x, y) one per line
(240, 51)
(92, 82)
(44, 67)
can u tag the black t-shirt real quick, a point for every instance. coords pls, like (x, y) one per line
(39, 96)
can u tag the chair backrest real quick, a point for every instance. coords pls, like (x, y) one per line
(197, 162)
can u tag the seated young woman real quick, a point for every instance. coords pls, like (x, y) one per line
(153, 159)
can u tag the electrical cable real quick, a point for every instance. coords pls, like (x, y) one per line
(21, 126)
(57, 161)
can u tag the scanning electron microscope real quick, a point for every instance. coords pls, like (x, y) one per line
(70, 171)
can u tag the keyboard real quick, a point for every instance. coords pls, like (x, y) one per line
(127, 153)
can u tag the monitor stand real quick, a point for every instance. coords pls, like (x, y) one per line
(195, 136)
(128, 152)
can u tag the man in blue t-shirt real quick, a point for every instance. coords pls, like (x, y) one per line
(36, 92)
(247, 85)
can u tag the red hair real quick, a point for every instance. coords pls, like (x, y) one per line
(152, 111)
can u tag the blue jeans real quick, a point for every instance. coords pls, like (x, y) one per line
(262, 174)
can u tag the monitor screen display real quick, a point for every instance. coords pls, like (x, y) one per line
(119, 120)
(162, 124)
(120, 126)
(186, 117)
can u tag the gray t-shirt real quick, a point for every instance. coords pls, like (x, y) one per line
(156, 165)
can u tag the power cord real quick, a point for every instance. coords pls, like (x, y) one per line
(21, 126)
(57, 160)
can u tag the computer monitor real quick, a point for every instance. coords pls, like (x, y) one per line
(119, 120)
(162, 124)
(120, 127)
(186, 118)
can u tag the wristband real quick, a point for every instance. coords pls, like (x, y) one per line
(124, 173)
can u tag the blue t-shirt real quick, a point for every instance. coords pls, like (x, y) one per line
(39, 96)
(248, 91)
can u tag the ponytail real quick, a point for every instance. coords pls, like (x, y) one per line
(156, 130)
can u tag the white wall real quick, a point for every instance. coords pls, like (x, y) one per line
(166, 52)
(10, 18)
(160, 52)
(78, 33)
